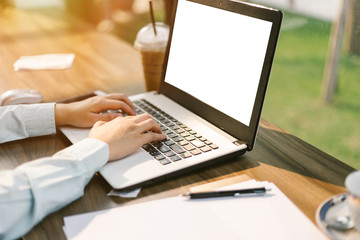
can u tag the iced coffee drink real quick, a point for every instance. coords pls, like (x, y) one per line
(152, 48)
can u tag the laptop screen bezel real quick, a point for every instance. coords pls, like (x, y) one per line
(245, 134)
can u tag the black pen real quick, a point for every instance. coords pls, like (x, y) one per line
(229, 193)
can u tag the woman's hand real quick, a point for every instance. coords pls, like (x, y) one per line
(85, 113)
(125, 135)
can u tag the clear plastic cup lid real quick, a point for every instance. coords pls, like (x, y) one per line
(146, 39)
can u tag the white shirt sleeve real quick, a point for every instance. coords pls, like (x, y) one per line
(37, 188)
(22, 121)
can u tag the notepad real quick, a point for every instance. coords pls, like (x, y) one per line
(272, 216)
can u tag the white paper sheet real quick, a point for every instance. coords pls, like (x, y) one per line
(272, 216)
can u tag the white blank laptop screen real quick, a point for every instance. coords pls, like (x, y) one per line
(217, 57)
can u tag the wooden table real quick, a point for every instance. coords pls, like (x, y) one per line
(305, 174)
(102, 61)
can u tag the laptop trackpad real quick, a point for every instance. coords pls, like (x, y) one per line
(130, 169)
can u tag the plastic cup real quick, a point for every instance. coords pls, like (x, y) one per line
(152, 48)
(352, 184)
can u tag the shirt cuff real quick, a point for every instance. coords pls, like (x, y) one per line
(92, 152)
(44, 125)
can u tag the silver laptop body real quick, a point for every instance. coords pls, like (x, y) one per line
(213, 86)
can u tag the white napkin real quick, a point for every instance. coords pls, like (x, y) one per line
(46, 61)
(125, 194)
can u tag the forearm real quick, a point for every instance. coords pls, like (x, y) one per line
(40, 187)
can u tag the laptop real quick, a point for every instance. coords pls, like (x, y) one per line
(215, 76)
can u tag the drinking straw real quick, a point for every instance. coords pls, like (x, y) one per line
(152, 16)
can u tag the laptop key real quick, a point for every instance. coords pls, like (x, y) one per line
(197, 143)
(147, 147)
(164, 161)
(184, 134)
(213, 146)
(177, 148)
(192, 132)
(205, 149)
(180, 130)
(169, 142)
(166, 131)
(172, 135)
(170, 154)
(175, 158)
(183, 143)
(195, 152)
(175, 128)
(189, 147)
(157, 144)
(154, 152)
(177, 139)
(170, 124)
(185, 154)
(190, 138)
(159, 157)
(164, 149)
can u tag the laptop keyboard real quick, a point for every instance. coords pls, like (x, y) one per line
(181, 141)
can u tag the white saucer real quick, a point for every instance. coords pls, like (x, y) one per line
(329, 209)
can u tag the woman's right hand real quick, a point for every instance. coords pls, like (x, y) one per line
(125, 135)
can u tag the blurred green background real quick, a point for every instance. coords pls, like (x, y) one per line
(294, 102)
